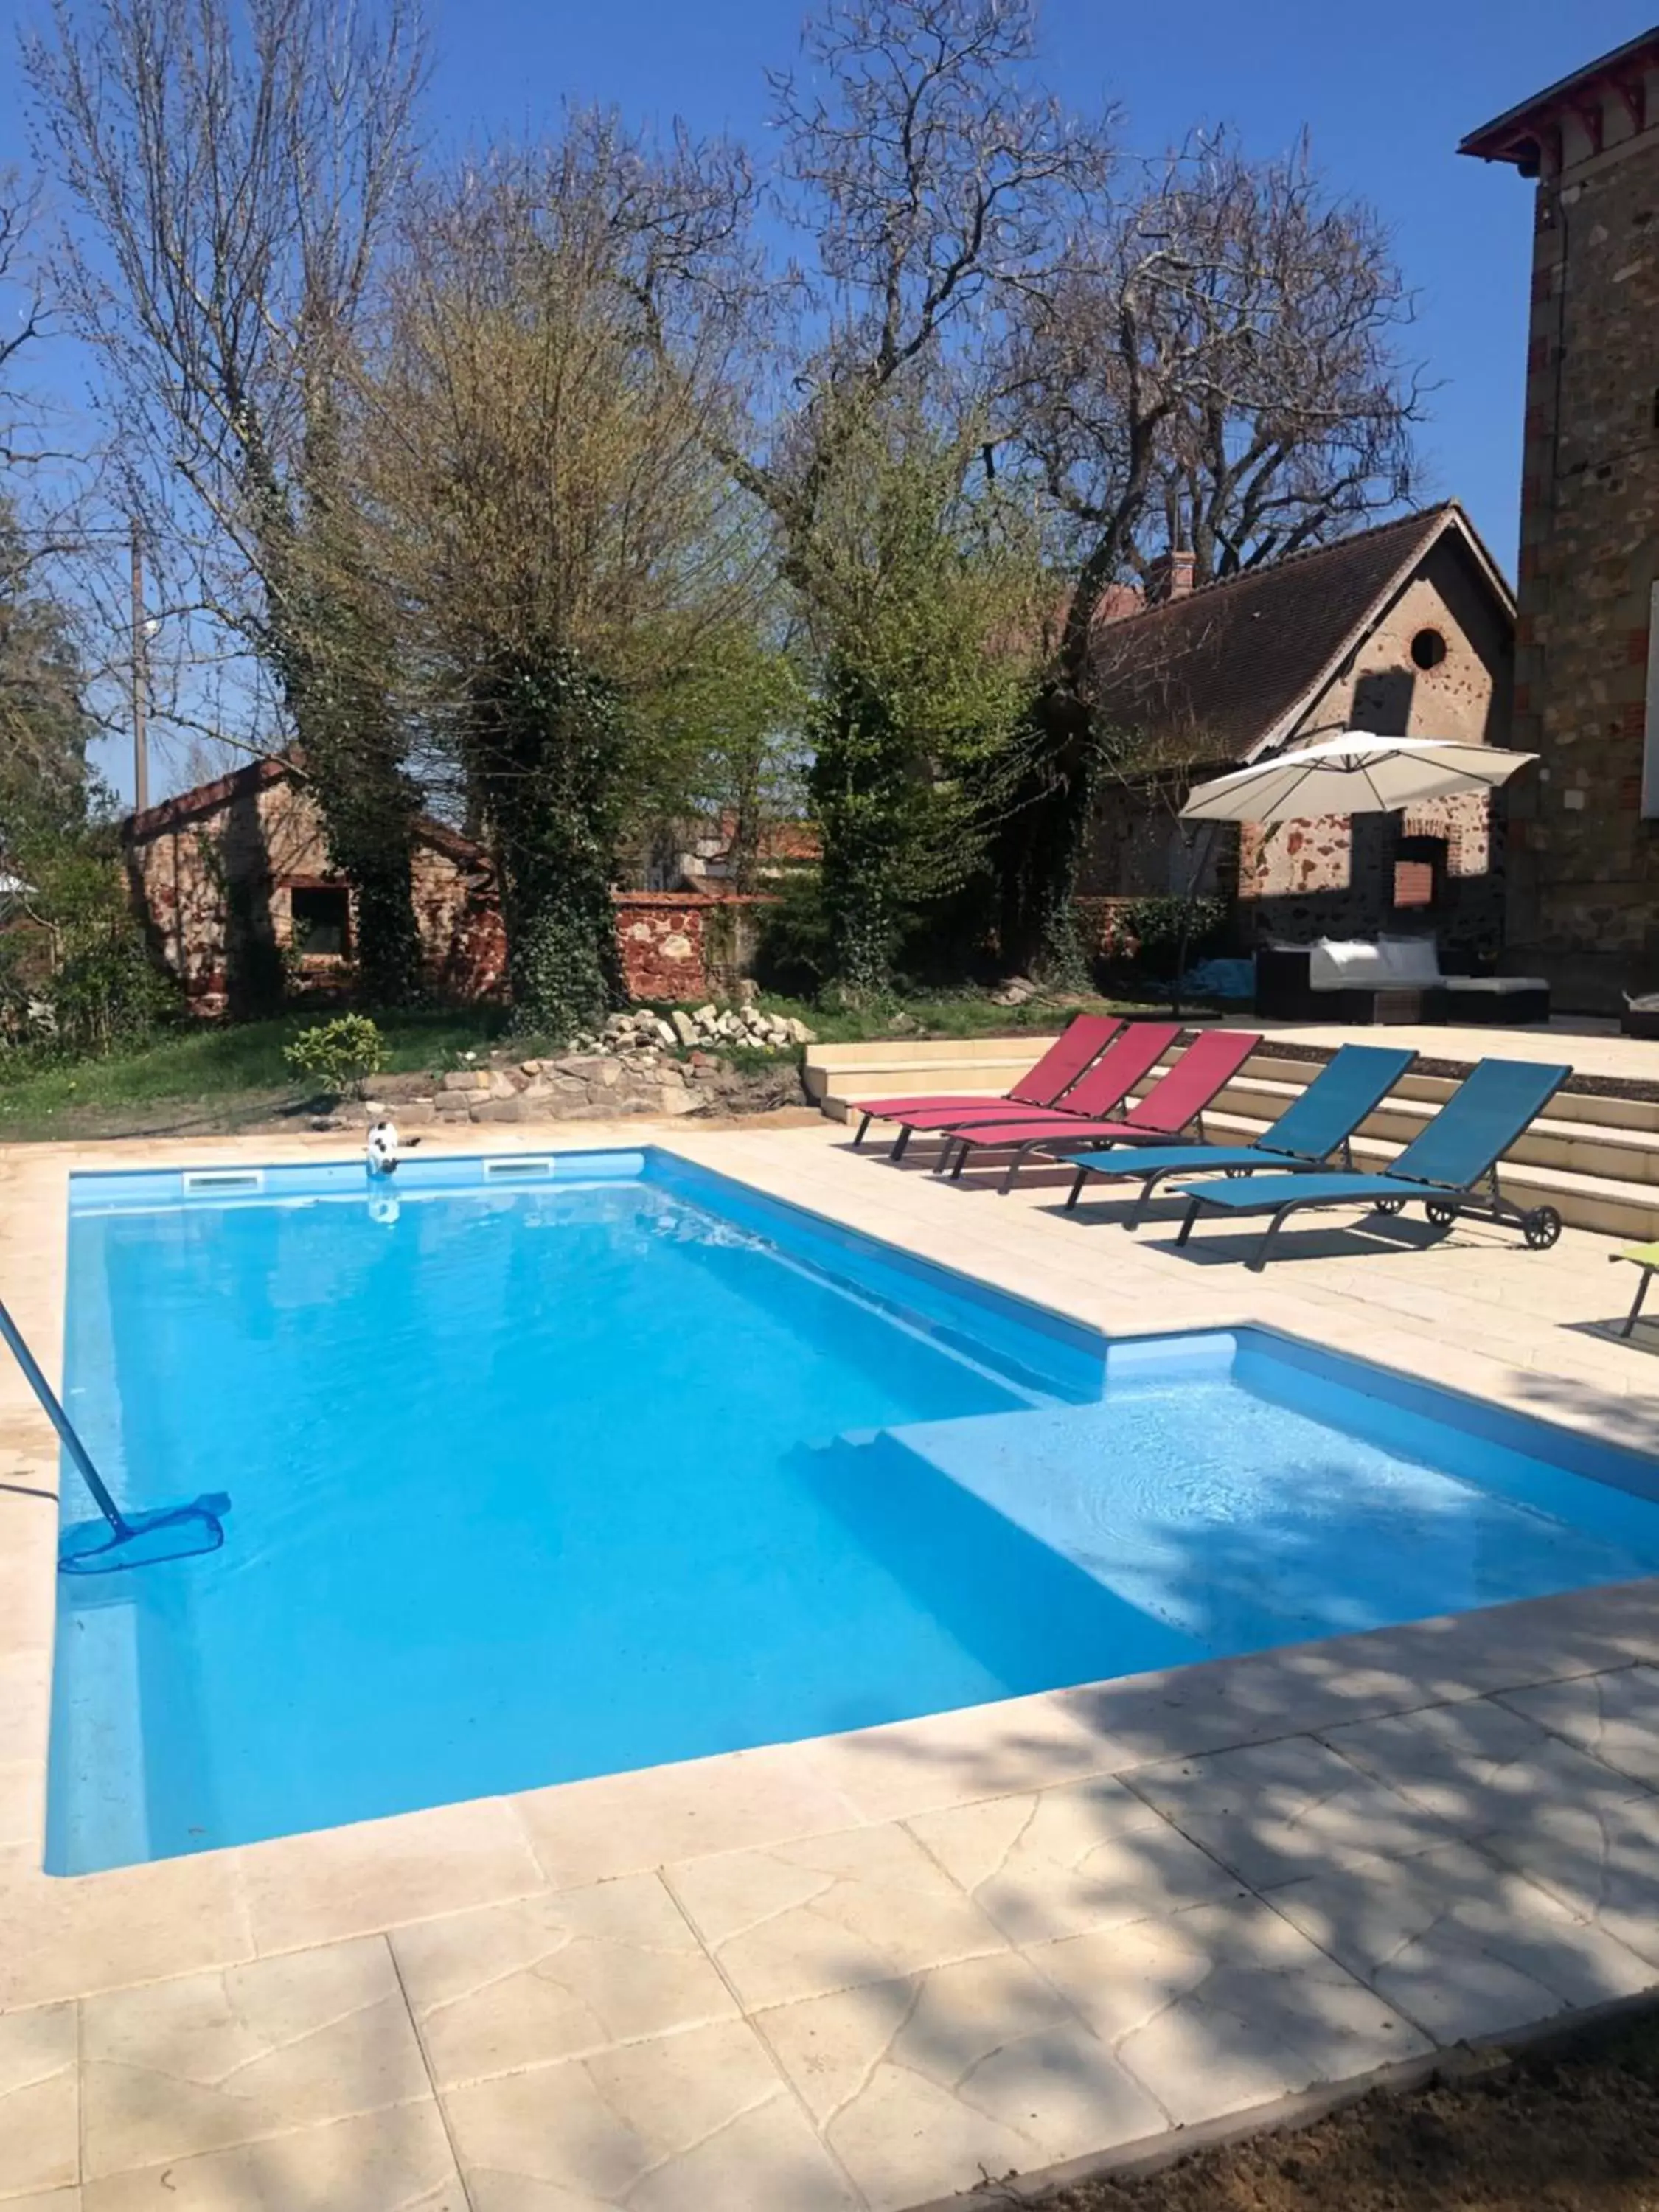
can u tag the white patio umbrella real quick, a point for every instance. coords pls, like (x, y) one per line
(1353, 772)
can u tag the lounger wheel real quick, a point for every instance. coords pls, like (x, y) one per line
(1441, 1211)
(1388, 1204)
(1541, 1227)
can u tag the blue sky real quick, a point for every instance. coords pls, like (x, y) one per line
(1386, 93)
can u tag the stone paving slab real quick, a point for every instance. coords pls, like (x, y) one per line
(866, 1971)
(1221, 2008)
(1460, 1945)
(555, 1976)
(1616, 1717)
(979, 2067)
(681, 2125)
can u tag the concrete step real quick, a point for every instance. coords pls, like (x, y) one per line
(1557, 1139)
(1607, 1204)
(889, 1070)
(1568, 1104)
(1595, 1159)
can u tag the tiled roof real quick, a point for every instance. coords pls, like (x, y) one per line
(201, 799)
(1206, 677)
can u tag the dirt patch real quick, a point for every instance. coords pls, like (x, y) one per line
(1573, 2127)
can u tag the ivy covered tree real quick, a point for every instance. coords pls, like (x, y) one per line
(538, 443)
(919, 584)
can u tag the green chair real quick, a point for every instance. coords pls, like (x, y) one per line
(1646, 1257)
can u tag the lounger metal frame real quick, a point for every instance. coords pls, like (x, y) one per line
(1541, 1225)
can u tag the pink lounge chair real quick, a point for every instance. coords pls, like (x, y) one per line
(1082, 1041)
(1102, 1089)
(1175, 1102)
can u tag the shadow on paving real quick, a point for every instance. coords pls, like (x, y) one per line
(1572, 2129)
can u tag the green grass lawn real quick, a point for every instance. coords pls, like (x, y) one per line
(220, 1076)
(226, 1072)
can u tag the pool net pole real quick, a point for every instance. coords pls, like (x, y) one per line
(60, 1421)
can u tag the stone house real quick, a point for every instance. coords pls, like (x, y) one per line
(1584, 869)
(1406, 629)
(236, 891)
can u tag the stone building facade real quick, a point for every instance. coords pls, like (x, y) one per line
(1583, 867)
(234, 882)
(1405, 629)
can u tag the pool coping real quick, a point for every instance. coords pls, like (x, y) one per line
(84, 1935)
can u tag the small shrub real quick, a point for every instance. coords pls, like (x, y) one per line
(339, 1055)
(1153, 927)
(76, 980)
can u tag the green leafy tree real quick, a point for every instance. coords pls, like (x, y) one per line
(921, 588)
(726, 736)
(77, 977)
(538, 442)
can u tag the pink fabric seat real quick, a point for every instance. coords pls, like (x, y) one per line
(1048, 1080)
(1176, 1101)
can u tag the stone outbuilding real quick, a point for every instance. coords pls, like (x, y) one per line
(1584, 869)
(236, 890)
(1405, 629)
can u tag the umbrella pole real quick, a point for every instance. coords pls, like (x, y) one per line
(1194, 877)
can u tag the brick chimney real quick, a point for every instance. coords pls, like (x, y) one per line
(1170, 576)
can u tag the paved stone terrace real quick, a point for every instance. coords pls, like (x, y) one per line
(867, 1972)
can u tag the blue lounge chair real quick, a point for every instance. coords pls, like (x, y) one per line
(1321, 1122)
(1452, 1167)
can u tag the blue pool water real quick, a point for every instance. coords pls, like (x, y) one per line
(537, 1480)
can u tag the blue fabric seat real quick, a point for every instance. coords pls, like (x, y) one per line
(1352, 1083)
(1452, 1167)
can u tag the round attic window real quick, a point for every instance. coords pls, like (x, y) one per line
(1428, 648)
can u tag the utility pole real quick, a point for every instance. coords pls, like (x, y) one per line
(140, 680)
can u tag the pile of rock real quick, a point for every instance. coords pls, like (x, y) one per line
(745, 1024)
(639, 1064)
(1017, 991)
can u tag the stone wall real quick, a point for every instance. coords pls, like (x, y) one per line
(679, 945)
(1584, 889)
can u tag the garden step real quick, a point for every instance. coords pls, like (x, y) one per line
(1599, 1168)
(1558, 1139)
(884, 1070)
(1612, 1205)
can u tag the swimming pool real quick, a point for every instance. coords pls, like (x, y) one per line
(542, 1470)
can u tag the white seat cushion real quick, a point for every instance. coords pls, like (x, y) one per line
(1393, 964)
(1337, 964)
(1412, 962)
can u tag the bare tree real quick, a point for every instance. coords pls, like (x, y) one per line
(1214, 368)
(538, 444)
(24, 323)
(929, 184)
(235, 168)
(1308, 431)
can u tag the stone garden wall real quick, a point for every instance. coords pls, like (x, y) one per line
(640, 1064)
